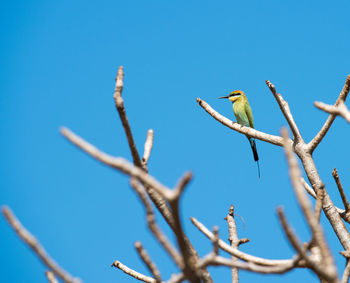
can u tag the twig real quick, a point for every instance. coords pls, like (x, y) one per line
(286, 112)
(302, 252)
(234, 241)
(147, 148)
(133, 273)
(119, 103)
(148, 262)
(320, 135)
(341, 109)
(306, 208)
(276, 140)
(237, 253)
(152, 225)
(37, 248)
(341, 190)
(51, 276)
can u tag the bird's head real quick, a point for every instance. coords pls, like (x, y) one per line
(234, 95)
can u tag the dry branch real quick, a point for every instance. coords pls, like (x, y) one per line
(36, 247)
(51, 276)
(148, 262)
(133, 273)
(340, 110)
(320, 135)
(233, 238)
(276, 140)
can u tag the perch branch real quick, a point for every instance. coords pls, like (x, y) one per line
(36, 247)
(276, 140)
(341, 190)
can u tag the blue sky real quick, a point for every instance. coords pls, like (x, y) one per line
(58, 64)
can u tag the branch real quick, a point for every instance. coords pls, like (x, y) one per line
(148, 262)
(305, 206)
(119, 103)
(237, 253)
(36, 247)
(340, 110)
(320, 135)
(341, 190)
(147, 148)
(234, 241)
(51, 276)
(118, 163)
(276, 140)
(133, 273)
(286, 112)
(152, 225)
(346, 273)
(301, 251)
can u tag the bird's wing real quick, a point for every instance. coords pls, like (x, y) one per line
(249, 114)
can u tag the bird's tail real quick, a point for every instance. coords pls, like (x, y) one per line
(255, 153)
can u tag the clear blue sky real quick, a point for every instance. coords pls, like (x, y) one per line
(58, 64)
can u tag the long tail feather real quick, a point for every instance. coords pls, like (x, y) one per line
(255, 153)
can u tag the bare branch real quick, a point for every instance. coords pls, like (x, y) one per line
(234, 241)
(36, 247)
(319, 203)
(286, 112)
(243, 241)
(307, 187)
(133, 273)
(306, 207)
(301, 251)
(346, 273)
(152, 225)
(320, 135)
(276, 140)
(148, 262)
(51, 276)
(147, 148)
(340, 110)
(118, 163)
(341, 190)
(237, 253)
(119, 103)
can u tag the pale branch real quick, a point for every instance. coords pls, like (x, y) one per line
(346, 273)
(307, 187)
(320, 135)
(292, 238)
(148, 262)
(133, 273)
(276, 140)
(118, 163)
(341, 190)
(306, 207)
(119, 103)
(286, 112)
(36, 247)
(312, 193)
(243, 241)
(319, 203)
(189, 259)
(340, 110)
(51, 276)
(147, 148)
(237, 253)
(152, 225)
(234, 241)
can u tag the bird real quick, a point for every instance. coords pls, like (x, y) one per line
(244, 116)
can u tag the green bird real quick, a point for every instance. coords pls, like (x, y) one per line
(244, 117)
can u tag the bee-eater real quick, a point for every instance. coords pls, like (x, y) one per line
(244, 117)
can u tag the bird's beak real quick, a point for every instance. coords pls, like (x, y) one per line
(223, 97)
